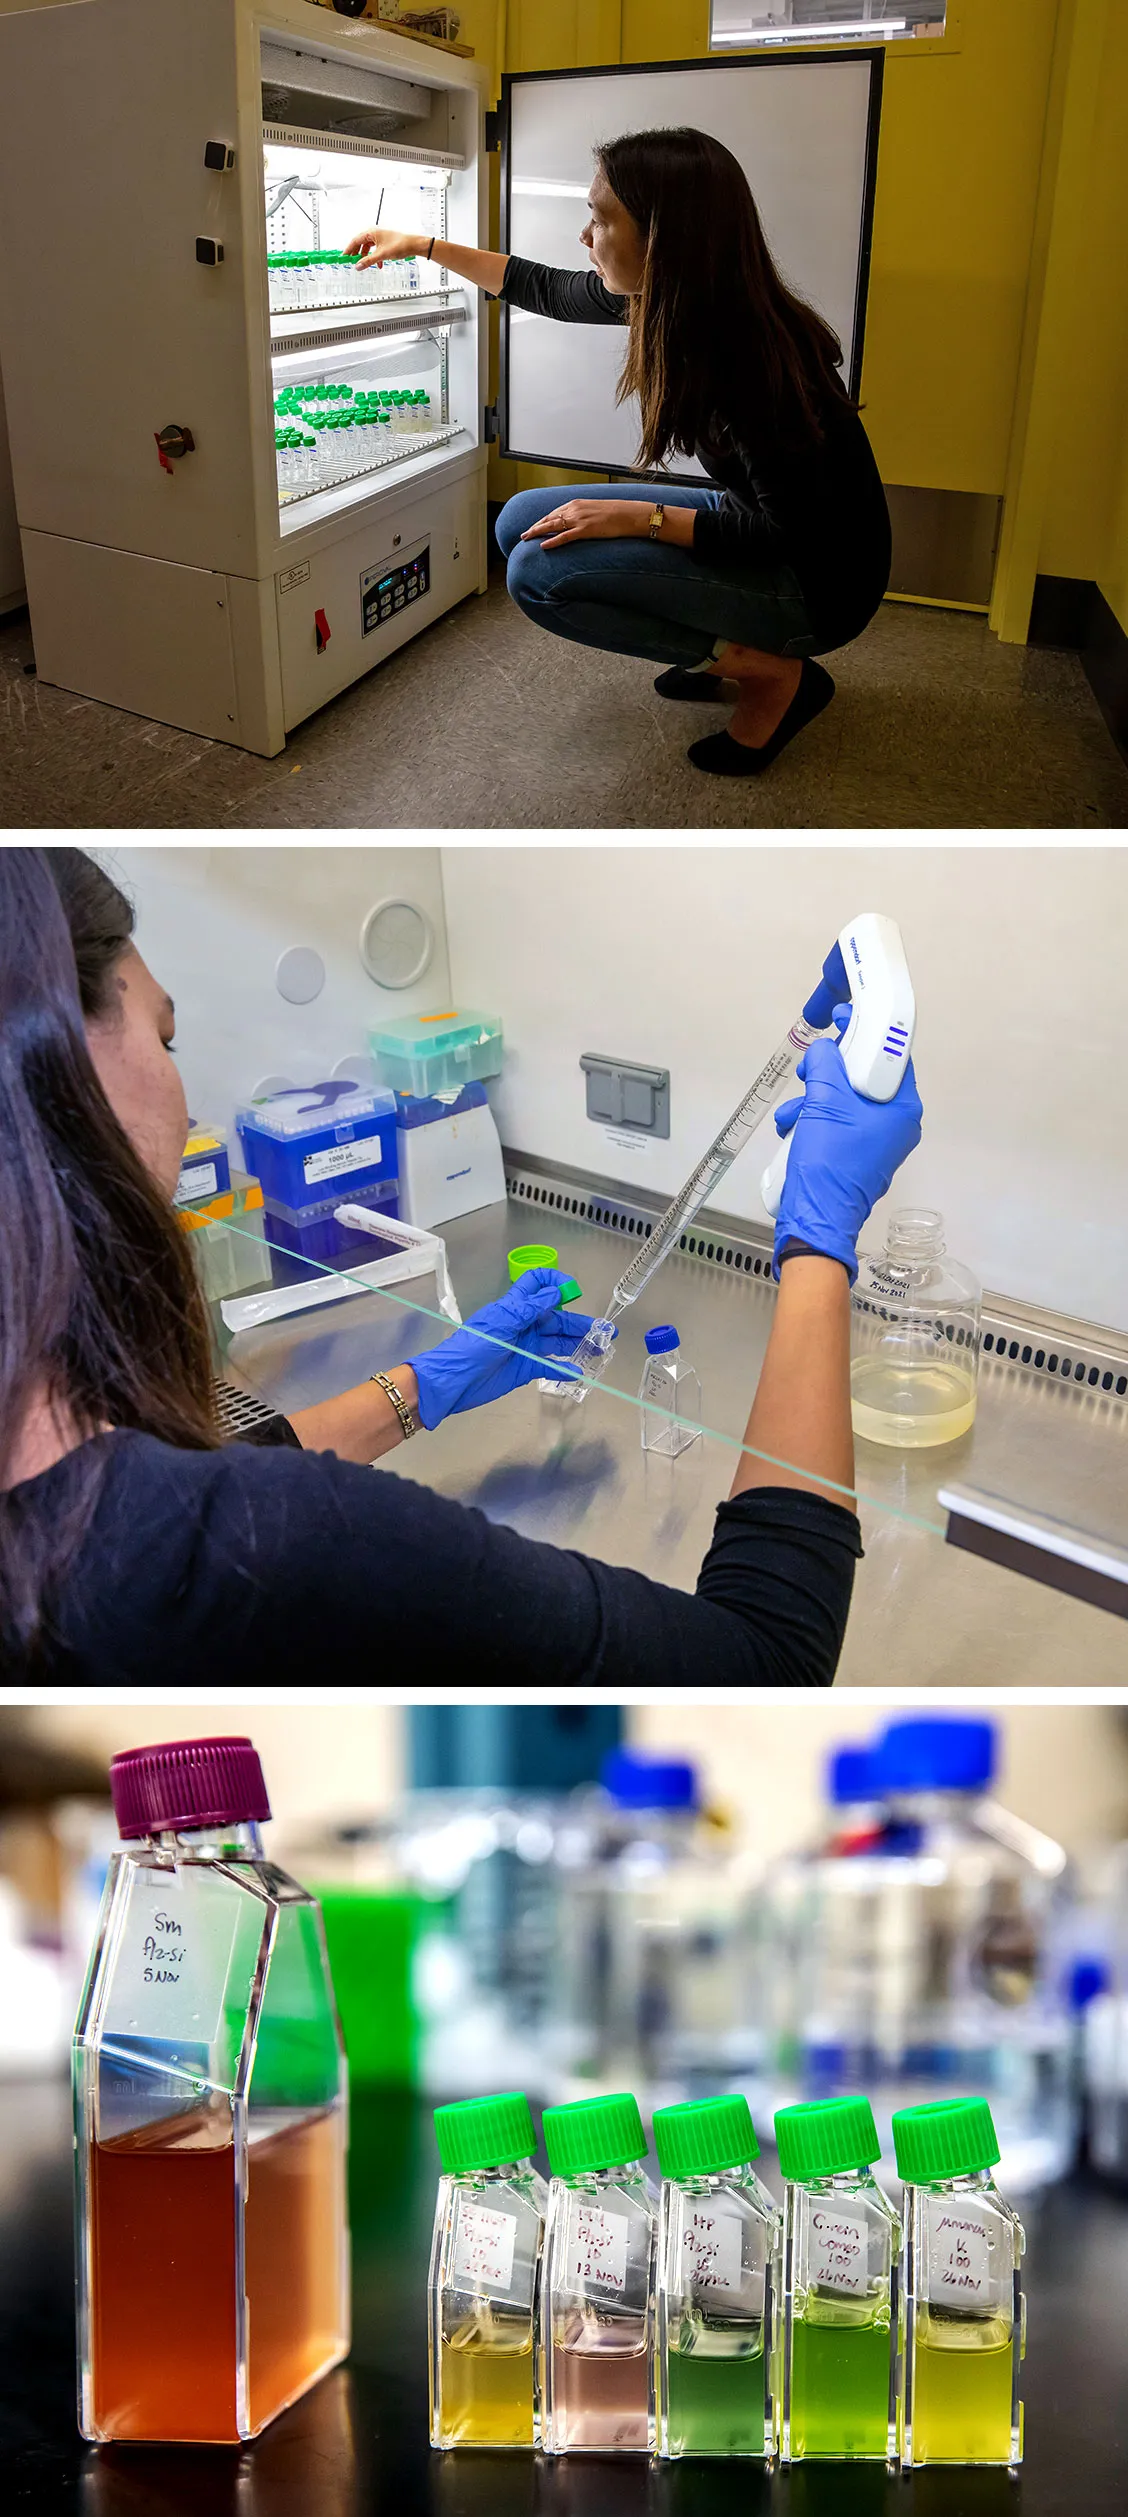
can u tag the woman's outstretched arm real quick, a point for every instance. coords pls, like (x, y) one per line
(800, 1415)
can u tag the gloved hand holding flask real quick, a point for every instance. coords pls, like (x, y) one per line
(526, 1336)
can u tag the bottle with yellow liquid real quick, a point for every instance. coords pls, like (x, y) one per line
(963, 2321)
(915, 1338)
(485, 2272)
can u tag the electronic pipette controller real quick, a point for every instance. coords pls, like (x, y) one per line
(868, 966)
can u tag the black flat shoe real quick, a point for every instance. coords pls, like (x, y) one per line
(678, 683)
(723, 757)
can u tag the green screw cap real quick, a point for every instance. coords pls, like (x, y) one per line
(593, 2133)
(705, 2138)
(530, 1254)
(484, 2132)
(954, 2137)
(827, 2139)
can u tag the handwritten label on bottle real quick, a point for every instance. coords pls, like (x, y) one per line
(160, 1941)
(483, 2247)
(163, 1950)
(838, 2248)
(711, 2248)
(959, 2256)
(598, 2250)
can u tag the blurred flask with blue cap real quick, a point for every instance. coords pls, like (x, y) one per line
(931, 1962)
(659, 1933)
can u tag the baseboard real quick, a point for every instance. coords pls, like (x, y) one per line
(1072, 612)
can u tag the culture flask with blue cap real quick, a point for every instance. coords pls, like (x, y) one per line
(209, 2086)
(670, 1396)
(930, 1963)
(822, 1941)
(659, 1943)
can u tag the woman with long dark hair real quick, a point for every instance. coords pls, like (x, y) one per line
(742, 584)
(134, 1540)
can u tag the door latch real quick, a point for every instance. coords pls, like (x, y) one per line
(173, 442)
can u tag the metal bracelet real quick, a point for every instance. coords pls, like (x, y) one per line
(407, 1420)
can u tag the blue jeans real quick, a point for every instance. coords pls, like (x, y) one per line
(646, 598)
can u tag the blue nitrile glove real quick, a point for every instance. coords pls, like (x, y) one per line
(845, 1153)
(468, 1370)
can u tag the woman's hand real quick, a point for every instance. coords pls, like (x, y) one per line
(510, 1343)
(591, 520)
(385, 244)
(845, 1152)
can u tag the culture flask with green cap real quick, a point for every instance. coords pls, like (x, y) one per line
(485, 2269)
(835, 2288)
(716, 2233)
(209, 2088)
(963, 2315)
(597, 2301)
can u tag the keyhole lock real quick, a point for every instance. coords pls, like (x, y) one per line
(172, 443)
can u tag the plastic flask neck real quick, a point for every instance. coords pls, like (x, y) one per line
(914, 1233)
(229, 1842)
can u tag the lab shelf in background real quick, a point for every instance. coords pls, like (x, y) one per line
(924, 1614)
(284, 135)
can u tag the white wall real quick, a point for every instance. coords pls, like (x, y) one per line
(211, 922)
(698, 958)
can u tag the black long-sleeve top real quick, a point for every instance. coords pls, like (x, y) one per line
(814, 505)
(282, 1566)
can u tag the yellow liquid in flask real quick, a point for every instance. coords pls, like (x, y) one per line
(962, 2392)
(910, 1406)
(486, 2387)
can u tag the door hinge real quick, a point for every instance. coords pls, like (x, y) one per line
(490, 426)
(493, 130)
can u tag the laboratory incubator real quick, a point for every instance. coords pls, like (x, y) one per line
(246, 471)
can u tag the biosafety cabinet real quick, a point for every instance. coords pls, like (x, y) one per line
(245, 472)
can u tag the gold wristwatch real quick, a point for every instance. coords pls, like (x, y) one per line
(657, 520)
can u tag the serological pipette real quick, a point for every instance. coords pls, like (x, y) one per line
(865, 967)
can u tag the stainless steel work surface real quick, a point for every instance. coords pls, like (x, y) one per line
(924, 1614)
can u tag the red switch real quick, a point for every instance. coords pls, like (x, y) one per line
(163, 458)
(324, 633)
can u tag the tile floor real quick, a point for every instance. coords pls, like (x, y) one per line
(484, 723)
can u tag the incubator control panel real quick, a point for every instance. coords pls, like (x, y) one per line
(385, 591)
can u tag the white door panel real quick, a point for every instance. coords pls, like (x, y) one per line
(805, 132)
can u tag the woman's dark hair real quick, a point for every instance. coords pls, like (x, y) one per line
(100, 1311)
(714, 329)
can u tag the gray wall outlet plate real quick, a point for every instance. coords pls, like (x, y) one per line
(620, 1093)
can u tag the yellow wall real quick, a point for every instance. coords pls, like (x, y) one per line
(1085, 532)
(961, 148)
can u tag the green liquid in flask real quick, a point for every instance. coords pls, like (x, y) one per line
(715, 2395)
(839, 2387)
(961, 2391)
